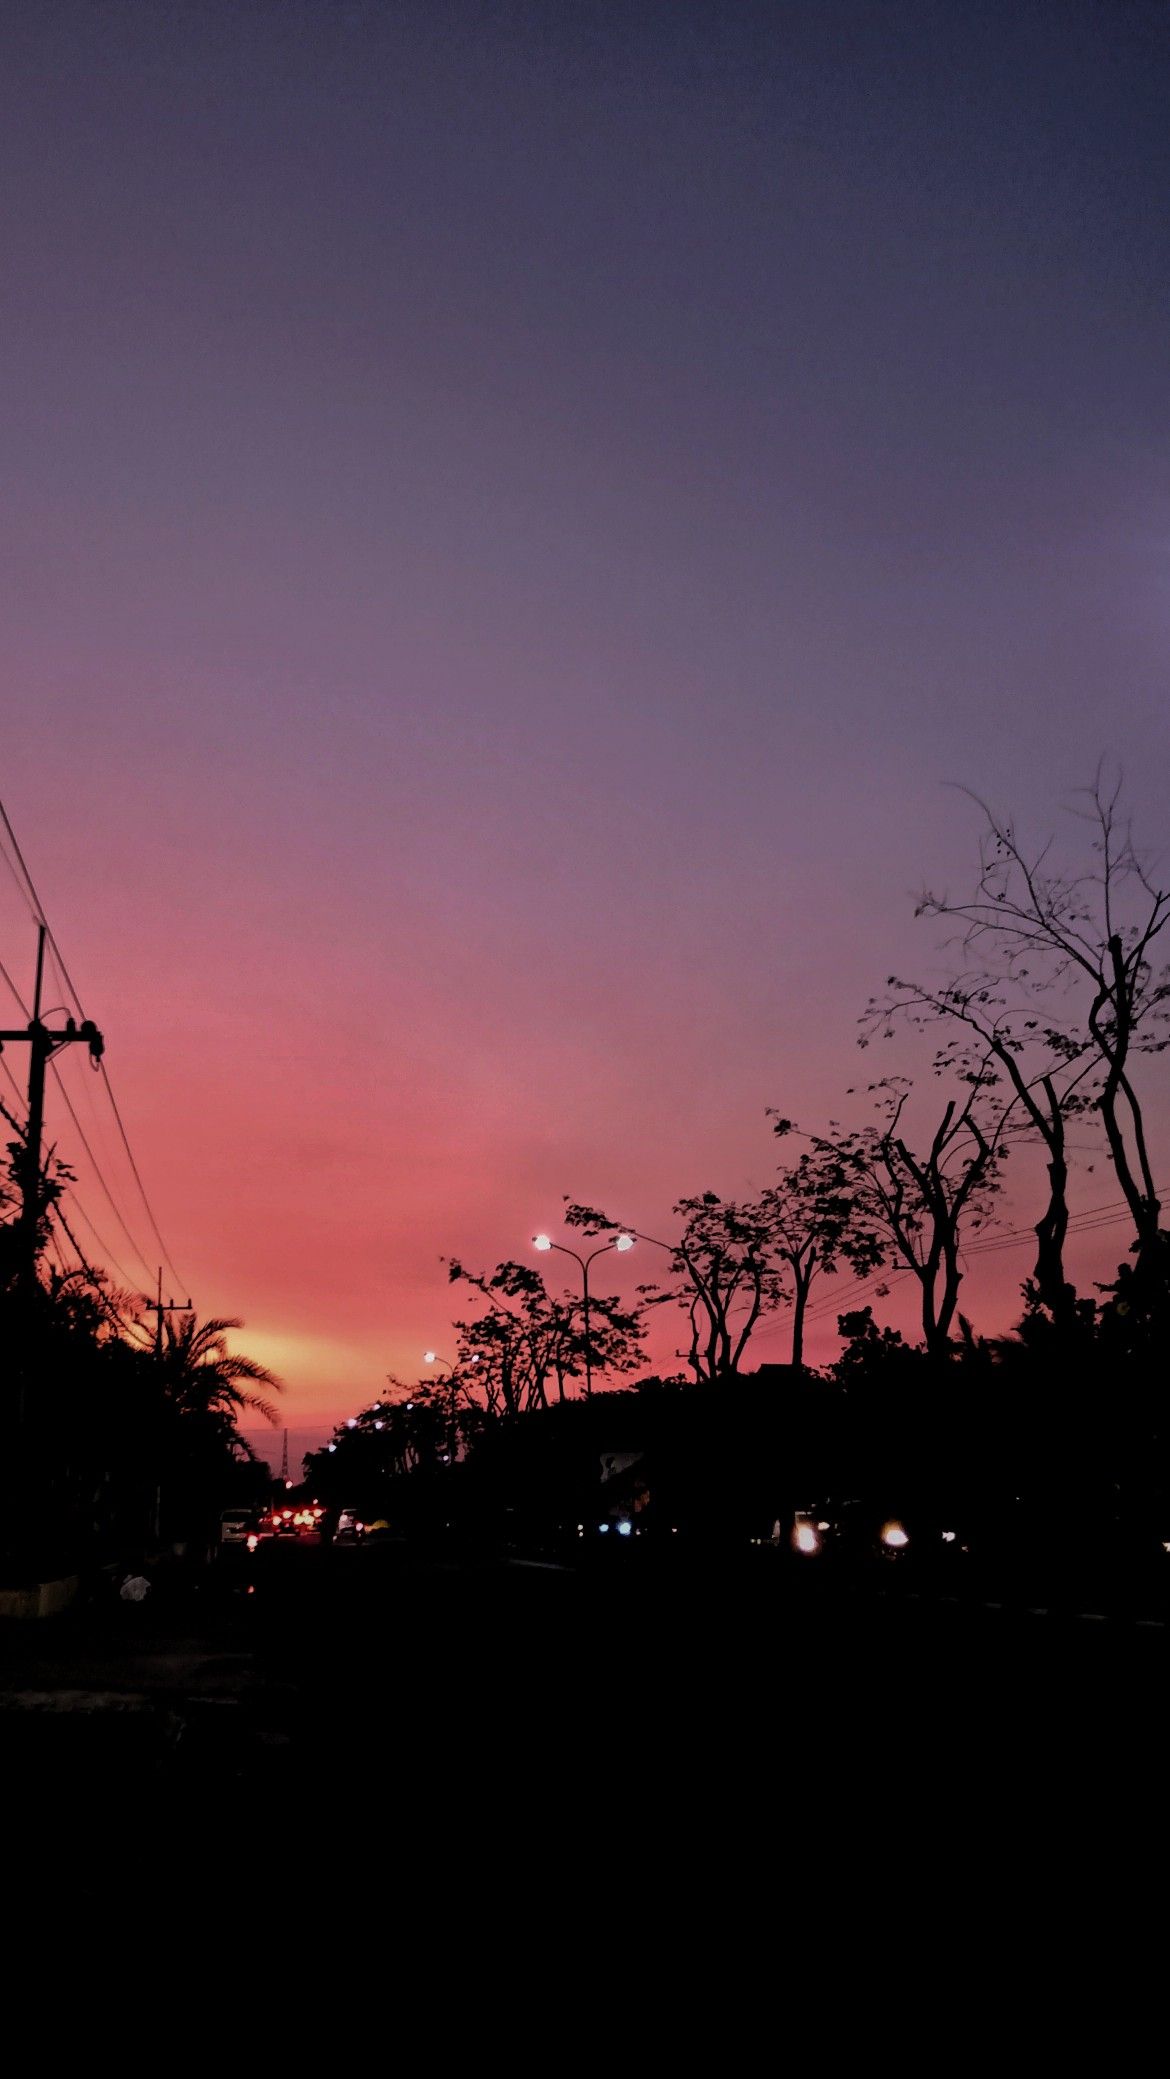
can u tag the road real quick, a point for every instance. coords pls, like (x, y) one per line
(591, 1713)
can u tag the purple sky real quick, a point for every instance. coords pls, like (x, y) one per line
(509, 514)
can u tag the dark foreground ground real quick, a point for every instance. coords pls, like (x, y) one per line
(376, 1688)
(531, 1810)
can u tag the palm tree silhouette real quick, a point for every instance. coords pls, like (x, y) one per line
(204, 1378)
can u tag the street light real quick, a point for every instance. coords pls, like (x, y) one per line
(620, 1242)
(432, 1357)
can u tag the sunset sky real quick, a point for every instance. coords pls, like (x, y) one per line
(510, 517)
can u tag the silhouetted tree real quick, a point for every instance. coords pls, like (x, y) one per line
(53, 1178)
(203, 1378)
(812, 1212)
(912, 1206)
(1048, 1071)
(530, 1338)
(1134, 1319)
(1075, 950)
(727, 1273)
(870, 1351)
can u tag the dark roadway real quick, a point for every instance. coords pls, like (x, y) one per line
(736, 1729)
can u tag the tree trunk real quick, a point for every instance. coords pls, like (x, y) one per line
(939, 1312)
(800, 1282)
(1052, 1287)
(693, 1357)
(1143, 1204)
(952, 1279)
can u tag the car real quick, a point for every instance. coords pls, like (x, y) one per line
(856, 1536)
(235, 1525)
(850, 1533)
(298, 1520)
(307, 1520)
(350, 1528)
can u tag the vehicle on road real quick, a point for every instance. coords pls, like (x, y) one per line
(855, 1535)
(350, 1527)
(298, 1521)
(235, 1526)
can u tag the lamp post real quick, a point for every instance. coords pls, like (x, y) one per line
(432, 1357)
(620, 1242)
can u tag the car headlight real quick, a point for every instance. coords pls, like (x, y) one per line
(895, 1537)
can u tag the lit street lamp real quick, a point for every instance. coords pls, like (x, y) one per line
(620, 1242)
(432, 1357)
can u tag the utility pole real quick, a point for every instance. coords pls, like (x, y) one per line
(42, 1044)
(156, 1307)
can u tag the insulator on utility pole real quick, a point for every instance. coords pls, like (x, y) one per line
(43, 1043)
(158, 1309)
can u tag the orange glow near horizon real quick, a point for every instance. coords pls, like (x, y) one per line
(485, 656)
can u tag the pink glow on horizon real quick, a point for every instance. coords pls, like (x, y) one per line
(499, 559)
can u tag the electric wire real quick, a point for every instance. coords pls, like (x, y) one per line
(39, 910)
(110, 1199)
(1092, 1220)
(12, 1079)
(59, 1253)
(37, 907)
(130, 1329)
(990, 1248)
(56, 1210)
(15, 991)
(131, 1283)
(155, 1229)
(94, 1163)
(17, 883)
(1114, 1205)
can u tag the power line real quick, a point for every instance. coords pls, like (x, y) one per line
(23, 1007)
(870, 1288)
(166, 1255)
(58, 1252)
(127, 1328)
(39, 911)
(25, 1012)
(18, 1125)
(11, 1077)
(1026, 1233)
(130, 1283)
(837, 1303)
(80, 1130)
(1092, 1220)
(1088, 1227)
(38, 908)
(98, 1127)
(21, 890)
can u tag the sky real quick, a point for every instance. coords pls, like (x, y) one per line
(510, 518)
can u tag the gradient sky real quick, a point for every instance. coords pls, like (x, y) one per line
(509, 516)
